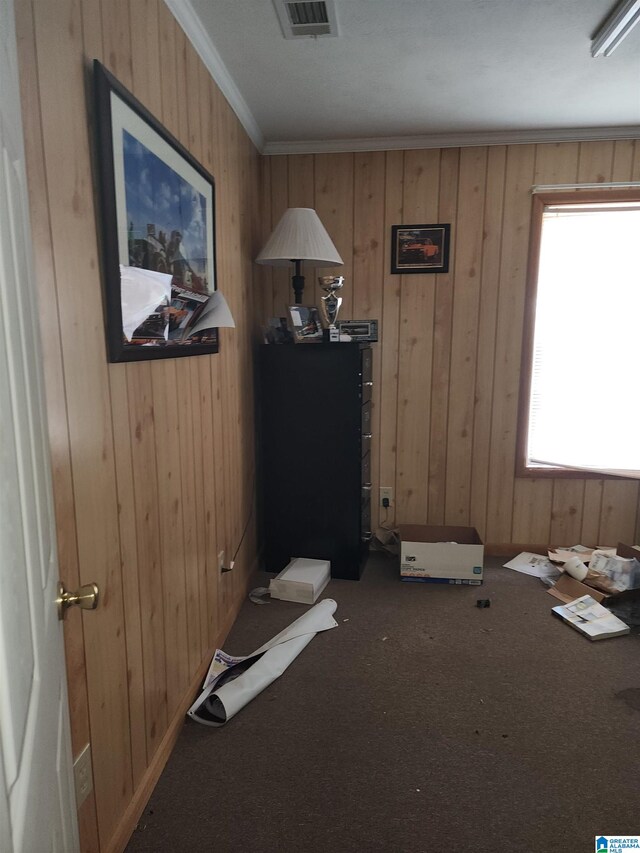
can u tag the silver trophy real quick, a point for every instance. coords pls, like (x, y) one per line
(331, 303)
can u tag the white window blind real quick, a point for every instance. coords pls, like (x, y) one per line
(584, 406)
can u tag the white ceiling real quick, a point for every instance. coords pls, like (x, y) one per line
(408, 73)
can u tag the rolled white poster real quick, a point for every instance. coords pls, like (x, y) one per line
(232, 682)
(576, 568)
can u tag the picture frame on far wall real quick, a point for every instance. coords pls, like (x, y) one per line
(157, 233)
(420, 249)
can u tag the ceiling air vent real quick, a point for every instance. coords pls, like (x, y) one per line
(307, 18)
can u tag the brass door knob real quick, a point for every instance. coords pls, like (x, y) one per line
(86, 598)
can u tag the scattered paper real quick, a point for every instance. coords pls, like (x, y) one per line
(232, 682)
(591, 619)
(260, 595)
(142, 292)
(533, 564)
(215, 315)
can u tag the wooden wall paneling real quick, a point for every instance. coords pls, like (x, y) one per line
(190, 469)
(129, 563)
(368, 233)
(635, 168)
(58, 29)
(172, 396)
(487, 320)
(145, 54)
(557, 163)
(168, 394)
(513, 261)
(281, 276)
(591, 512)
(116, 35)
(334, 206)
(145, 73)
(206, 490)
(368, 255)
(532, 511)
(388, 337)
(62, 483)
(619, 512)
(301, 181)
(263, 275)
(149, 526)
(420, 205)
(467, 245)
(623, 154)
(595, 162)
(91, 12)
(441, 368)
(566, 512)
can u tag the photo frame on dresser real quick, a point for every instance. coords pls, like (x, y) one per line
(305, 324)
(157, 206)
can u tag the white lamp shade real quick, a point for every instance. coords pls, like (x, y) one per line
(299, 236)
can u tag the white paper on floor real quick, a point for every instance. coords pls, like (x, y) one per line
(232, 682)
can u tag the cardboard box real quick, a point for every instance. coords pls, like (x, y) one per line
(567, 589)
(453, 555)
(302, 580)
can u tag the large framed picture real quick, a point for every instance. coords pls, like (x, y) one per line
(420, 248)
(157, 232)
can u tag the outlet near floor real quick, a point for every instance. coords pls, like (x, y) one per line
(83, 775)
(386, 494)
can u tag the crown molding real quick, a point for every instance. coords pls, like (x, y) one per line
(185, 15)
(452, 140)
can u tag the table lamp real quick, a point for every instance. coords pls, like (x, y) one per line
(299, 236)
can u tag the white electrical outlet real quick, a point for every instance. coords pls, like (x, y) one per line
(83, 775)
(220, 561)
(386, 492)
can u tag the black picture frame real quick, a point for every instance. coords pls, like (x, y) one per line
(157, 214)
(420, 249)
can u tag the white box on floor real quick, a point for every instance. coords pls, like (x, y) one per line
(302, 580)
(441, 554)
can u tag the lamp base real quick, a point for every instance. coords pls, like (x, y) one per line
(298, 286)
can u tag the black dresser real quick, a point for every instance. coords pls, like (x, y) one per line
(314, 452)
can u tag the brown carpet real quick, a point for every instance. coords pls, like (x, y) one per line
(422, 723)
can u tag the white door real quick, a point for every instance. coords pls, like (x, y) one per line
(37, 803)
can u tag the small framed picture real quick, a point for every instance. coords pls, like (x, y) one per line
(419, 248)
(305, 324)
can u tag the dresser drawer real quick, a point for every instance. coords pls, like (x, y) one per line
(367, 365)
(366, 469)
(366, 418)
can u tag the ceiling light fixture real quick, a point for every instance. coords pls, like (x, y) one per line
(616, 28)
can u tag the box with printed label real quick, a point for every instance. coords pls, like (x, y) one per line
(441, 554)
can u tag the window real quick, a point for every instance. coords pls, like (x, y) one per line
(580, 397)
